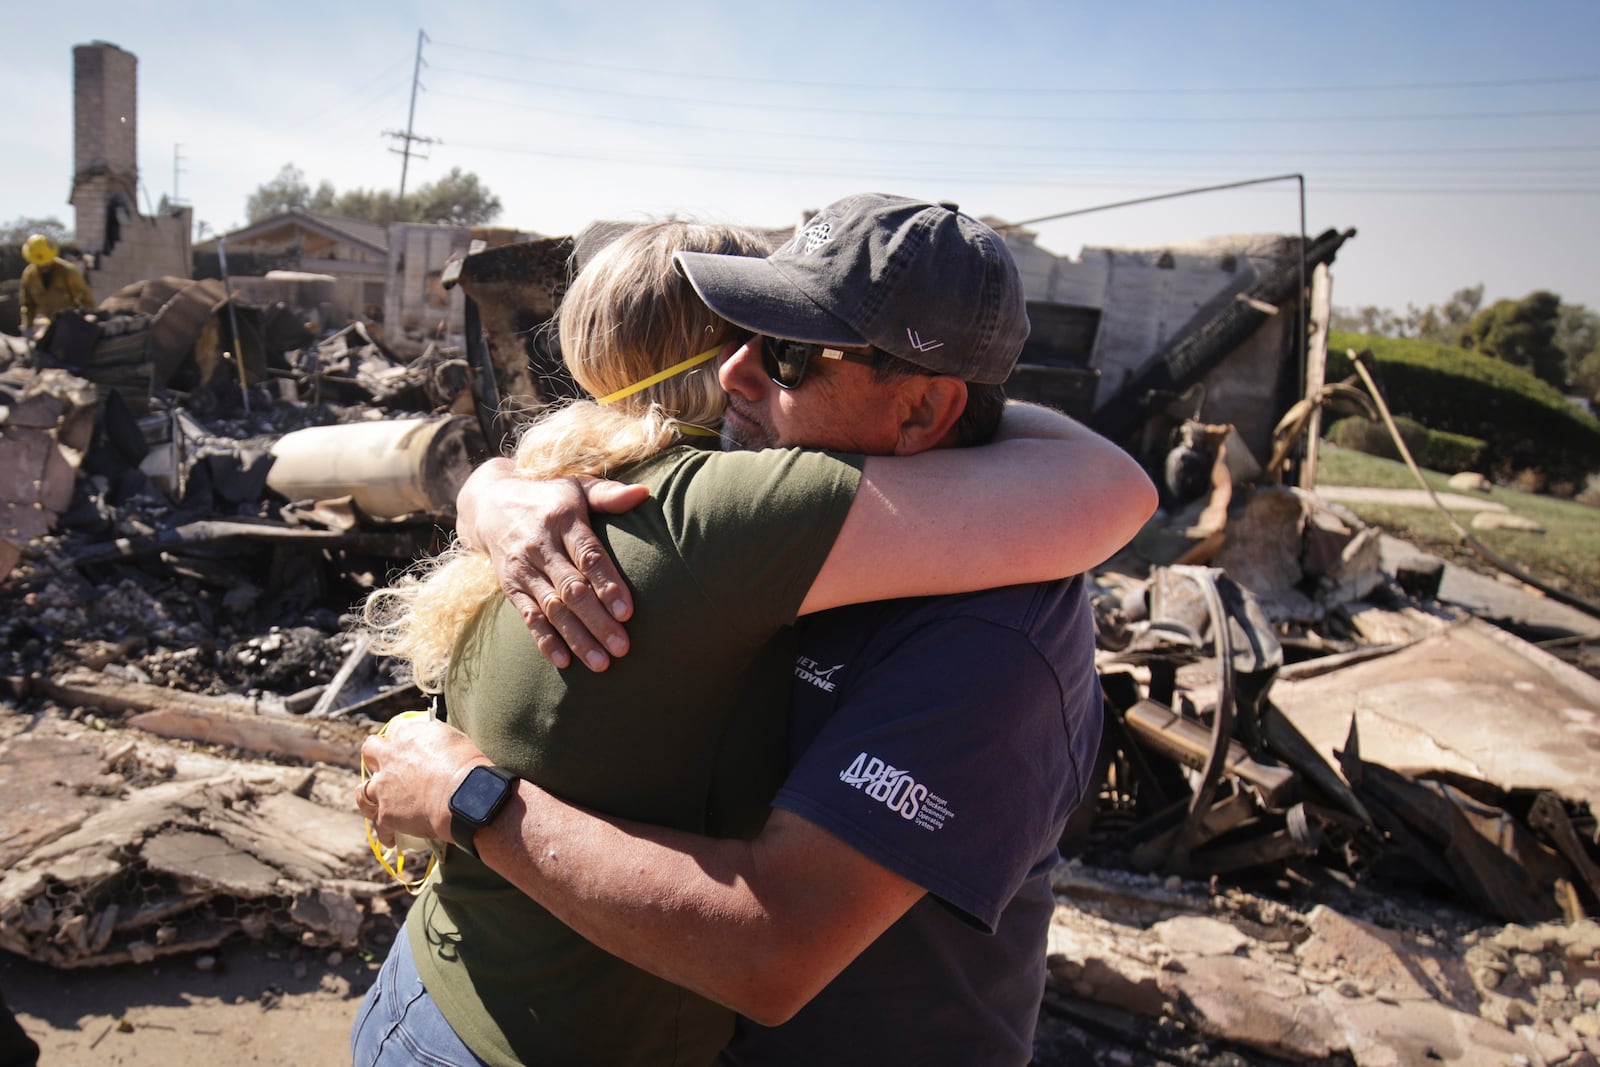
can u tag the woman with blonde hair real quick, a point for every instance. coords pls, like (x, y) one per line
(687, 731)
(627, 312)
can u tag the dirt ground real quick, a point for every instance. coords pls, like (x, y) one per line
(259, 1005)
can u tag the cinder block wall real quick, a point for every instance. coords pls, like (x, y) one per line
(412, 300)
(148, 248)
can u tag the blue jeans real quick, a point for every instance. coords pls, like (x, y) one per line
(399, 1025)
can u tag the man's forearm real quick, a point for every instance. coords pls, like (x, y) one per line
(759, 926)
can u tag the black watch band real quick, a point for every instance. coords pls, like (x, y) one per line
(475, 803)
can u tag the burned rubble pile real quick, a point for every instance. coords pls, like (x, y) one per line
(1389, 803)
(180, 566)
(1169, 971)
(1337, 821)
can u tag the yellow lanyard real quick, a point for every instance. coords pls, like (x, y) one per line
(661, 376)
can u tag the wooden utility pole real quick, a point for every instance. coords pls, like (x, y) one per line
(408, 138)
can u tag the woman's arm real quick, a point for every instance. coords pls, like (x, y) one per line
(1047, 499)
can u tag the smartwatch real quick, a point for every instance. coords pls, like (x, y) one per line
(475, 803)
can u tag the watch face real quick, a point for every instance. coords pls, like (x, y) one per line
(478, 795)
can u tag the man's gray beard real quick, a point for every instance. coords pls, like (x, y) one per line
(732, 443)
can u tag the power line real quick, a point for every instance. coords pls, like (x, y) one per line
(1055, 169)
(361, 95)
(868, 170)
(1188, 120)
(701, 75)
(354, 107)
(978, 146)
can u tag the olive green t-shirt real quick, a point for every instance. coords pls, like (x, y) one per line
(685, 731)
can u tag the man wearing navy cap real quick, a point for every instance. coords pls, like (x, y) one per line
(896, 905)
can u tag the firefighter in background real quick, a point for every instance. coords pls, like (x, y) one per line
(49, 284)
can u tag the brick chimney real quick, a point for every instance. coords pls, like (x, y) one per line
(122, 245)
(105, 177)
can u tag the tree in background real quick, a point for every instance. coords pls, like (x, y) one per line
(1440, 323)
(1370, 320)
(20, 229)
(457, 199)
(287, 192)
(1578, 337)
(1557, 342)
(1443, 324)
(1522, 333)
(1586, 377)
(372, 205)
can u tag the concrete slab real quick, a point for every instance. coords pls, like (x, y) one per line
(1473, 699)
(1409, 498)
(1490, 597)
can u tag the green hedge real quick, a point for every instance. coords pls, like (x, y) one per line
(1453, 453)
(1433, 449)
(1525, 423)
(1361, 434)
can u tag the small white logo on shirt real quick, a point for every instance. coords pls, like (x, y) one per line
(809, 670)
(896, 790)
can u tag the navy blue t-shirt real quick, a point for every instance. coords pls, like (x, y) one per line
(947, 738)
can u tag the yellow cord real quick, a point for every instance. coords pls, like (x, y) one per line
(396, 866)
(661, 376)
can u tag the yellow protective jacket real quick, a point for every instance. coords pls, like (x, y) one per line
(52, 288)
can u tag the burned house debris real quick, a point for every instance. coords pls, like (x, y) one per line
(197, 488)
(179, 564)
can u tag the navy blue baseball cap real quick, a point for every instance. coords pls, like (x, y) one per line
(918, 280)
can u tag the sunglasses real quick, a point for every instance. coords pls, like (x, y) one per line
(786, 362)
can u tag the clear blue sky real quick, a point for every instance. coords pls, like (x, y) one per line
(1461, 139)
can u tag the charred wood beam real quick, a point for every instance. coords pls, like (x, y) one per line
(1284, 741)
(1190, 743)
(403, 543)
(1162, 1045)
(234, 721)
(383, 706)
(1223, 817)
(358, 656)
(1549, 817)
(1299, 837)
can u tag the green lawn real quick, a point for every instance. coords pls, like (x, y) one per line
(1566, 555)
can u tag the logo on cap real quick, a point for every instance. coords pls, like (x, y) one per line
(817, 235)
(919, 344)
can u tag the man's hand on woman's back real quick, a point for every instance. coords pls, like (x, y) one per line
(551, 565)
